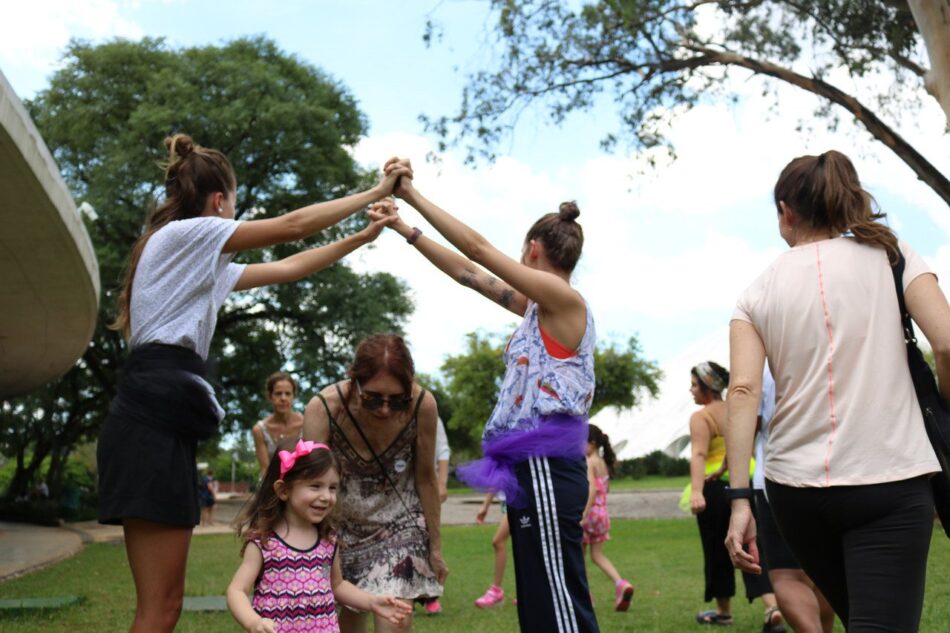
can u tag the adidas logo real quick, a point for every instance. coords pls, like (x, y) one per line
(525, 521)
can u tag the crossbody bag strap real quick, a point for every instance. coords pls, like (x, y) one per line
(898, 272)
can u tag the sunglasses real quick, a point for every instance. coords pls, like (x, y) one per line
(371, 403)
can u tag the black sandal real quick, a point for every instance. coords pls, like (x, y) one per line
(774, 621)
(714, 618)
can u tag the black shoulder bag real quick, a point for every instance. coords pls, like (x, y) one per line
(932, 406)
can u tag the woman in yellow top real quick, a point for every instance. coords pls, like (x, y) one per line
(709, 481)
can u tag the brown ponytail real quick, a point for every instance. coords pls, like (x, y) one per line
(561, 237)
(192, 173)
(825, 191)
(602, 441)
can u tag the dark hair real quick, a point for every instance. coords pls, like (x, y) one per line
(192, 173)
(602, 441)
(826, 192)
(721, 371)
(261, 514)
(275, 378)
(561, 237)
(383, 352)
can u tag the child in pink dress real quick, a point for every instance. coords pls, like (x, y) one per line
(292, 567)
(596, 521)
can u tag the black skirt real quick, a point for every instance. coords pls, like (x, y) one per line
(146, 449)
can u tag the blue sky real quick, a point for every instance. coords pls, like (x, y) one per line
(668, 250)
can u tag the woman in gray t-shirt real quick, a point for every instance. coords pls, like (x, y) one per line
(180, 273)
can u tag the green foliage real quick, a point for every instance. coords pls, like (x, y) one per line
(623, 377)
(656, 463)
(656, 59)
(287, 128)
(473, 378)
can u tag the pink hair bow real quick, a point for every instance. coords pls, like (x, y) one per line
(288, 459)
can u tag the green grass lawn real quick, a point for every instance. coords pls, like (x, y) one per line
(650, 482)
(662, 558)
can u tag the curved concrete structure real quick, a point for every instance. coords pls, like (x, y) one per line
(49, 278)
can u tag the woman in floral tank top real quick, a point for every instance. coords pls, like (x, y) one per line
(535, 438)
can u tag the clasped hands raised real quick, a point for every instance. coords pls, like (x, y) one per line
(397, 174)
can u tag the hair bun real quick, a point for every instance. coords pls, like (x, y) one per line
(568, 211)
(179, 146)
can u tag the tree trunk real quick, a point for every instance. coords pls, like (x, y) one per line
(879, 130)
(933, 22)
(23, 476)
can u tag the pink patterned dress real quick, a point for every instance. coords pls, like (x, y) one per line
(294, 587)
(597, 523)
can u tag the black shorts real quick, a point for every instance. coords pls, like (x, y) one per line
(774, 550)
(146, 473)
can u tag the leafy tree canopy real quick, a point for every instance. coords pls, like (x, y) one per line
(659, 58)
(286, 127)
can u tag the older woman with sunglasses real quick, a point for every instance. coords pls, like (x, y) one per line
(381, 426)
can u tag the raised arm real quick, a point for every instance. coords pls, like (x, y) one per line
(553, 294)
(459, 268)
(300, 265)
(311, 219)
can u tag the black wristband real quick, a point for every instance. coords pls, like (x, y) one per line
(739, 493)
(416, 232)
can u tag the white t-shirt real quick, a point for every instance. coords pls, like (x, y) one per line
(181, 281)
(442, 450)
(846, 412)
(766, 411)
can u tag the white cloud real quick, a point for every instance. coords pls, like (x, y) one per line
(33, 34)
(621, 282)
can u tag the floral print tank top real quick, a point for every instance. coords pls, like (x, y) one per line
(537, 384)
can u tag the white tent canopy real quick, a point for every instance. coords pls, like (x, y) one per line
(663, 424)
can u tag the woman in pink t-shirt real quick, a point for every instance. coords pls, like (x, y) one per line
(847, 460)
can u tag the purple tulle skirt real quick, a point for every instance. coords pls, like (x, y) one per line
(554, 436)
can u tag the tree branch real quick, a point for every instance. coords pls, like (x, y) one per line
(879, 130)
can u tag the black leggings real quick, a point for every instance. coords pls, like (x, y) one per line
(865, 547)
(719, 573)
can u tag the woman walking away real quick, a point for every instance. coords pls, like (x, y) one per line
(180, 273)
(847, 458)
(534, 441)
(709, 482)
(596, 521)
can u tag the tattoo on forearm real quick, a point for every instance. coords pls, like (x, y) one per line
(489, 286)
(469, 280)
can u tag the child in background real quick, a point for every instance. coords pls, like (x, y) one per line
(495, 595)
(596, 521)
(291, 566)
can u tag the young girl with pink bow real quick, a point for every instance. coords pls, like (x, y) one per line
(291, 565)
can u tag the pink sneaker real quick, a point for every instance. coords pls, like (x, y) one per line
(433, 607)
(624, 593)
(492, 598)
